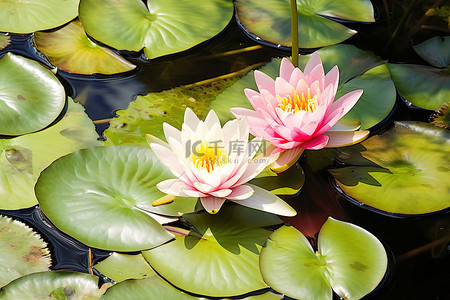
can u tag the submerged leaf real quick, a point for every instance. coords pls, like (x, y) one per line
(31, 96)
(33, 15)
(272, 21)
(71, 50)
(22, 251)
(163, 27)
(5, 40)
(23, 158)
(435, 51)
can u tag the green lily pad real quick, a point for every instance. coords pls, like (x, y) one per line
(163, 27)
(357, 69)
(272, 21)
(31, 97)
(349, 260)
(435, 51)
(425, 87)
(219, 257)
(33, 15)
(109, 190)
(71, 50)
(147, 113)
(23, 251)
(441, 118)
(288, 183)
(60, 285)
(120, 267)
(141, 289)
(23, 158)
(406, 170)
(5, 40)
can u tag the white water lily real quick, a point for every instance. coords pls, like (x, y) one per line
(215, 164)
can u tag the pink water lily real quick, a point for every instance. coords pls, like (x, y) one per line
(296, 111)
(215, 164)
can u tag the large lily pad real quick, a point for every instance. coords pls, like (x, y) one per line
(147, 113)
(219, 257)
(357, 69)
(120, 267)
(70, 49)
(163, 27)
(272, 21)
(23, 158)
(405, 171)
(435, 51)
(424, 86)
(109, 190)
(22, 251)
(349, 260)
(31, 97)
(33, 15)
(59, 285)
(142, 289)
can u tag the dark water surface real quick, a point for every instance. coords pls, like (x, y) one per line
(414, 276)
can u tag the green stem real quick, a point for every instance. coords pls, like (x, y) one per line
(294, 26)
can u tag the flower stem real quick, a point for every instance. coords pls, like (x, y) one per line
(294, 26)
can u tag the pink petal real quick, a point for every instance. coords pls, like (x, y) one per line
(286, 69)
(168, 158)
(203, 187)
(264, 82)
(223, 193)
(174, 187)
(347, 101)
(316, 143)
(330, 120)
(296, 76)
(332, 78)
(313, 61)
(283, 88)
(345, 138)
(317, 74)
(212, 204)
(287, 159)
(249, 93)
(241, 192)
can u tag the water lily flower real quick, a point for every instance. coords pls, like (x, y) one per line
(215, 164)
(296, 111)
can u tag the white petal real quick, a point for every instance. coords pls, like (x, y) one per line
(190, 119)
(266, 201)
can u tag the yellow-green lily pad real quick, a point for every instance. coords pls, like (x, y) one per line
(71, 50)
(22, 251)
(405, 171)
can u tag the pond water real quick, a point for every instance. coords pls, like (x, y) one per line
(423, 274)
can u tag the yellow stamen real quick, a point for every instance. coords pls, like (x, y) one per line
(208, 157)
(298, 103)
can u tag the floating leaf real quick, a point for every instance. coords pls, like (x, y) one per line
(120, 267)
(60, 285)
(71, 50)
(423, 86)
(349, 260)
(23, 158)
(289, 182)
(5, 40)
(441, 118)
(31, 97)
(272, 21)
(219, 257)
(33, 15)
(141, 289)
(163, 27)
(406, 170)
(22, 251)
(109, 190)
(147, 113)
(435, 51)
(357, 69)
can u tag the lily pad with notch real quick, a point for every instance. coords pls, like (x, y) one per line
(103, 197)
(162, 27)
(31, 97)
(349, 260)
(23, 251)
(271, 22)
(219, 256)
(403, 171)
